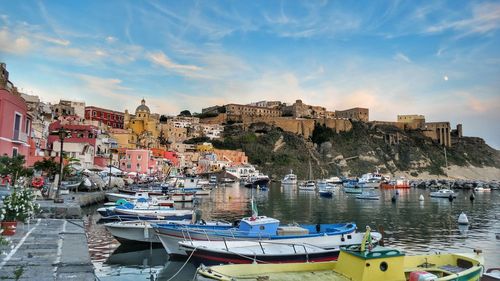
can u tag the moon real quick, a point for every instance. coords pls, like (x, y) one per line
(445, 78)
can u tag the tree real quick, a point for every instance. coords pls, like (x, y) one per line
(185, 113)
(13, 167)
(50, 167)
(163, 118)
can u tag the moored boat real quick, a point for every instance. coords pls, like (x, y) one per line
(443, 193)
(379, 264)
(395, 184)
(272, 251)
(368, 196)
(353, 190)
(258, 228)
(289, 179)
(308, 185)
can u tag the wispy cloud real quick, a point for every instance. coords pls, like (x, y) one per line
(159, 58)
(401, 57)
(485, 18)
(14, 43)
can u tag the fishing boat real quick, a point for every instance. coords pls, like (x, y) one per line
(290, 179)
(250, 228)
(141, 230)
(368, 196)
(334, 180)
(443, 193)
(491, 274)
(307, 185)
(353, 264)
(272, 251)
(396, 184)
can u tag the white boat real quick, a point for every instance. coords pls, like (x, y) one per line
(136, 231)
(368, 196)
(155, 212)
(286, 247)
(180, 196)
(443, 193)
(213, 179)
(202, 192)
(290, 179)
(308, 185)
(227, 180)
(482, 189)
(141, 230)
(113, 197)
(334, 180)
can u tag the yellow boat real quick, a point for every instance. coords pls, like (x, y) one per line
(378, 264)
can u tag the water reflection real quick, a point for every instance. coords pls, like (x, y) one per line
(410, 224)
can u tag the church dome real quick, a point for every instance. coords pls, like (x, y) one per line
(143, 107)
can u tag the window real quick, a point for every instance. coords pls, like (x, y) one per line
(17, 125)
(27, 128)
(139, 157)
(94, 113)
(129, 166)
(109, 116)
(138, 166)
(128, 156)
(14, 152)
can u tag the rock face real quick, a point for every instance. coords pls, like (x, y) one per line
(360, 150)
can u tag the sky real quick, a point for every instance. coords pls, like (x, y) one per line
(440, 59)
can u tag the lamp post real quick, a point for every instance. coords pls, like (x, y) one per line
(62, 135)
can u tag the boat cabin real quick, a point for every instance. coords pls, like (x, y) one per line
(261, 225)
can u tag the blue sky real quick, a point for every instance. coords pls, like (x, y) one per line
(437, 58)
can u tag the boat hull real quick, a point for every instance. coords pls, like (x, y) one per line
(133, 233)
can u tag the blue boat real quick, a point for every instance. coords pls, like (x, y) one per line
(251, 228)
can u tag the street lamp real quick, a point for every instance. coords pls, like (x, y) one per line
(62, 135)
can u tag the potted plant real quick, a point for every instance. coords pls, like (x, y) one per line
(20, 205)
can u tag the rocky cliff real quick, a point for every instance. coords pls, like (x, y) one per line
(363, 149)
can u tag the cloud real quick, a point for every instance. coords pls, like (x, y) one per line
(159, 58)
(12, 43)
(401, 58)
(110, 39)
(485, 18)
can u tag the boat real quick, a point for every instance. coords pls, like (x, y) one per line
(353, 190)
(249, 228)
(289, 179)
(482, 189)
(371, 180)
(308, 185)
(443, 193)
(180, 196)
(144, 209)
(334, 180)
(368, 196)
(325, 192)
(141, 230)
(271, 251)
(396, 184)
(227, 180)
(358, 264)
(491, 274)
(260, 180)
(113, 197)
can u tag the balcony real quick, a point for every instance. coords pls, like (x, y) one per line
(20, 137)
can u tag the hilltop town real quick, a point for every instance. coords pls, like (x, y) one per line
(146, 142)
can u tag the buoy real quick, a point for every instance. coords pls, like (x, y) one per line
(462, 219)
(472, 197)
(421, 197)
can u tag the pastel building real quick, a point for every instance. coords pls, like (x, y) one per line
(15, 122)
(137, 160)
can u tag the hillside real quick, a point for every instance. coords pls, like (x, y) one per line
(363, 149)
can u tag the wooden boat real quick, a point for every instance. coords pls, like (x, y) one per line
(258, 228)
(272, 251)
(379, 264)
(443, 193)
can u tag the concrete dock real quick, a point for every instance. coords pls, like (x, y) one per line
(71, 208)
(47, 249)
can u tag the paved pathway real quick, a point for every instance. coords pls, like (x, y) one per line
(47, 249)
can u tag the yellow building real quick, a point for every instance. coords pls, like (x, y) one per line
(144, 125)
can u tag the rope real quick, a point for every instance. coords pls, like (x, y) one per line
(182, 267)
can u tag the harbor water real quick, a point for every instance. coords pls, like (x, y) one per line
(411, 225)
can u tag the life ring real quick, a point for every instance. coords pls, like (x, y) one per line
(6, 180)
(37, 182)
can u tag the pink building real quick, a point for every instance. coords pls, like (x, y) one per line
(15, 123)
(137, 160)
